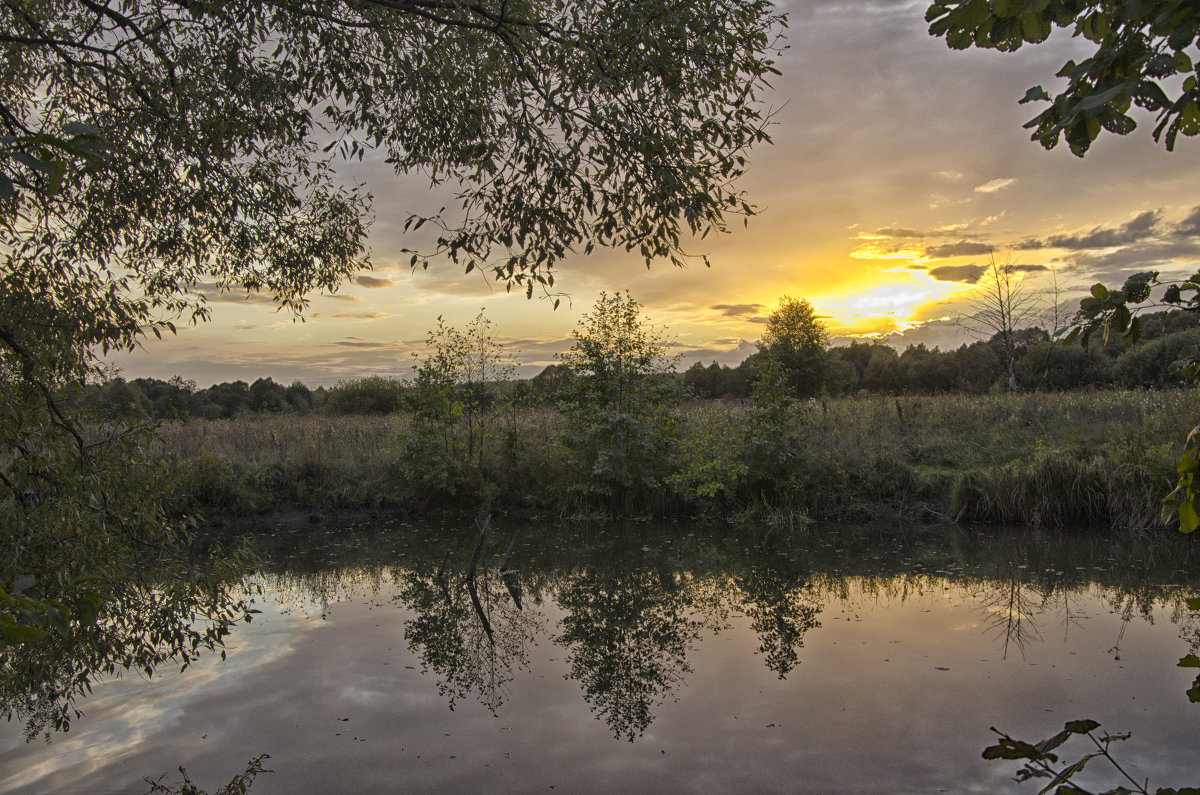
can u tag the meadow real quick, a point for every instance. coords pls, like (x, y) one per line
(1088, 459)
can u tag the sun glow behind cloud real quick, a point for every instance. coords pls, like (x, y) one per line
(898, 299)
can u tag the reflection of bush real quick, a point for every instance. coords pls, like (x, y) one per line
(629, 635)
(472, 635)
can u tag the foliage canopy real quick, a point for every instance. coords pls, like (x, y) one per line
(1144, 55)
(796, 339)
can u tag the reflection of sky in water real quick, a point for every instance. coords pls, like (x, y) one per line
(893, 689)
(136, 709)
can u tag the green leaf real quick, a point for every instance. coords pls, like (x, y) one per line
(1189, 520)
(1135, 331)
(1137, 287)
(1007, 8)
(16, 634)
(1035, 94)
(1009, 748)
(1081, 726)
(1120, 318)
(1193, 693)
(1100, 98)
(1051, 743)
(1190, 661)
(1193, 603)
(1099, 291)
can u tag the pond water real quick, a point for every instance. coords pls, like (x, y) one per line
(646, 658)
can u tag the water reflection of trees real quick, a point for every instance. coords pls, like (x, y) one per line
(1012, 612)
(634, 605)
(628, 634)
(473, 633)
(180, 609)
(781, 610)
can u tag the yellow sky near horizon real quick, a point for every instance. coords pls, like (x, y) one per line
(897, 165)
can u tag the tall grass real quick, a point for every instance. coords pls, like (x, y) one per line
(1097, 459)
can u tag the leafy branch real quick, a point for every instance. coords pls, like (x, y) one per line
(1107, 310)
(1041, 761)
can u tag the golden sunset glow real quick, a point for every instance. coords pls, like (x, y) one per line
(898, 299)
(883, 225)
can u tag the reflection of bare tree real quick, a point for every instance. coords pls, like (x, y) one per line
(781, 611)
(628, 635)
(1188, 621)
(1013, 609)
(472, 632)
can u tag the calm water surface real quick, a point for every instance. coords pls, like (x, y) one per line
(647, 659)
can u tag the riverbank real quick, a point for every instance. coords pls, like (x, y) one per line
(1091, 459)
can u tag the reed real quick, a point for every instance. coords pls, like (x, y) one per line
(1095, 459)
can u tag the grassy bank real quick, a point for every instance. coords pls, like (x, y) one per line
(1096, 459)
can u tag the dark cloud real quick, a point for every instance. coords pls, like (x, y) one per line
(1022, 268)
(1115, 266)
(1141, 227)
(963, 248)
(359, 342)
(540, 349)
(1190, 226)
(214, 293)
(894, 232)
(738, 310)
(219, 297)
(967, 274)
(373, 282)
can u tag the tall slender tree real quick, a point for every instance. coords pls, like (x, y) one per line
(1002, 304)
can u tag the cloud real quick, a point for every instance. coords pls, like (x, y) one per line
(1115, 265)
(1032, 268)
(728, 352)
(1190, 226)
(967, 274)
(1143, 226)
(893, 232)
(353, 299)
(361, 315)
(214, 293)
(963, 248)
(746, 311)
(361, 343)
(373, 282)
(995, 185)
(895, 251)
(221, 297)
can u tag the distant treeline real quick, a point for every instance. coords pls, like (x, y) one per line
(1042, 365)
(872, 367)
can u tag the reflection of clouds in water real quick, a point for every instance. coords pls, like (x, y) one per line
(360, 695)
(122, 713)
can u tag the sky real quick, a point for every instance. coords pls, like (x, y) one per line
(897, 165)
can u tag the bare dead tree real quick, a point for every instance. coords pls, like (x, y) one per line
(1002, 304)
